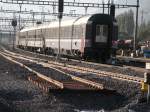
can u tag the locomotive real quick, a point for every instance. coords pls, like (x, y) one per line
(85, 37)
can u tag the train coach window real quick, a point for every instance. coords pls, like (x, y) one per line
(101, 33)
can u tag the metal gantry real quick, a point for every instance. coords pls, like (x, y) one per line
(28, 20)
(72, 4)
(39, 13)
(5, 23)
(54, 4)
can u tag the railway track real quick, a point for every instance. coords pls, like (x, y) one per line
(91, 64)
(138, 69)
(46, 82)
(78, 69)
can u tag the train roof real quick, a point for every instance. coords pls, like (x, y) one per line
(77, 21)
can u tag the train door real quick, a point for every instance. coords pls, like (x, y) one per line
(101, 34)
(101, 43)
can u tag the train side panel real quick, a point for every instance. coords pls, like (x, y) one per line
(89, 36)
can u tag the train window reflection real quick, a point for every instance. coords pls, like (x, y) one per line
(101, 33)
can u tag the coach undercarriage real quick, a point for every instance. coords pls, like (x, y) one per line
(89, 54)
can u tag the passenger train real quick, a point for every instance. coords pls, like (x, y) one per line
(85, 37)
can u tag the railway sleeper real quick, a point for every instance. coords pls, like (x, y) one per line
(44, 85)
(39, 75)
(117, 76)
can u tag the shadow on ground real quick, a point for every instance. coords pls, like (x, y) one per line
(88, 100)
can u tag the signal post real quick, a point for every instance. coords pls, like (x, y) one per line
(14, 24)
(60, 14)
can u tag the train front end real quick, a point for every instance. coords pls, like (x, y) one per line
(99, 30)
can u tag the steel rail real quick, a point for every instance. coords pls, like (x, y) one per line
(81, 80)
(91, 83)
(99, 73)
(55, 82)
(88, 70)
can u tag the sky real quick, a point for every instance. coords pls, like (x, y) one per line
(144, 6)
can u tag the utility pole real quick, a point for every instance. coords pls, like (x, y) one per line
(20, 6)
(142, 17)
(1, 36)
(10, 37)
(42, 15)
(108, 6)
(136, 26)
(33, 17)
(60, 11)
(14, 24)
(54, 9)
(103, 6)
(86, 8)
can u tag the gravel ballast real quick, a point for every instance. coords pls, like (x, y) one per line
(20, 95)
